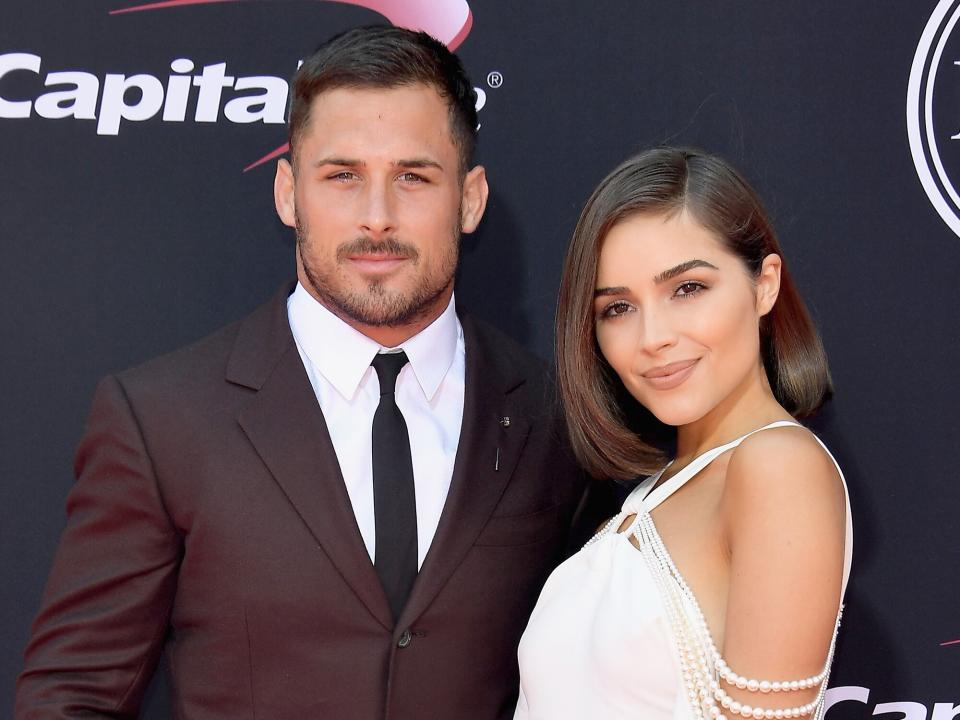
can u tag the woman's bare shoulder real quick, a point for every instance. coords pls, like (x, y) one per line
(786, 467)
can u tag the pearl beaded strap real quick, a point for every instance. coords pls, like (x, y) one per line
(702, 667)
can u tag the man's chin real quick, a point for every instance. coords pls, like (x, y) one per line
(379, 308)
(380, 301)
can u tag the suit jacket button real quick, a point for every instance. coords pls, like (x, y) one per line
(405, 639)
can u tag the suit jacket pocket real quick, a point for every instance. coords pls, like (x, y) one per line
(514, 530)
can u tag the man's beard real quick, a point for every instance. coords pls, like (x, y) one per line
(377, 306)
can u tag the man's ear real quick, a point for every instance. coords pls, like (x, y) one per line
(474, 198)
(768, 283)
(283, 193)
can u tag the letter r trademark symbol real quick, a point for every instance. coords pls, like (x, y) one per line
(494, 79)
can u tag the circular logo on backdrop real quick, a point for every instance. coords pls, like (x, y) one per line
(933, 111)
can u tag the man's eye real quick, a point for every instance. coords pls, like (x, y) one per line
(689, 288)
(343, 175)
(412, 177)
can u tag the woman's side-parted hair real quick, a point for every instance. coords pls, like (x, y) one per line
(611, 434)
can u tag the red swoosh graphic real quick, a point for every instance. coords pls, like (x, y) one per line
(449, 21)
(950, 642)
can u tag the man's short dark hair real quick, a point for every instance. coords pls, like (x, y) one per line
(386, 57)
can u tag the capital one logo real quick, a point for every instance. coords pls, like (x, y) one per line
(933, 111)
(120, 98)
(909, 710)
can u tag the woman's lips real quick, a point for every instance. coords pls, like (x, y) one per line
(667, 377)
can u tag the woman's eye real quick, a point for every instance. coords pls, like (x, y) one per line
(615, 309)
(689, 288)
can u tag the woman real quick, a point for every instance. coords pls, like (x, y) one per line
(716, 591)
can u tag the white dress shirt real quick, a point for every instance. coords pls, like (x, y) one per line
(429, 394)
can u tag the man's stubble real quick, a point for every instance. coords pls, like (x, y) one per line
(376, 305)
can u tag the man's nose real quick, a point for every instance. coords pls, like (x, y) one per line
(378, 209)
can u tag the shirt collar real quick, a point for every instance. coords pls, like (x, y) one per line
(342, 354)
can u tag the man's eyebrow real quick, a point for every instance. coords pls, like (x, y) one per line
(339, 161)
(418, 163)
(682, 268)
(402, 163)
(605, 291)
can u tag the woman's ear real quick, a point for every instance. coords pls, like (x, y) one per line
(768, 283)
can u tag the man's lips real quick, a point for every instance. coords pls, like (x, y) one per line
(666, 377)
(377, 262)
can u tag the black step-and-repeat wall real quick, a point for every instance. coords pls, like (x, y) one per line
(137, 146)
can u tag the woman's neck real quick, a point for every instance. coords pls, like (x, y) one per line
(749, 406)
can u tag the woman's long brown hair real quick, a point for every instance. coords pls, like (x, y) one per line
(611, 435)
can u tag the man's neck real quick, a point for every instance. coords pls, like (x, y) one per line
(393, 335)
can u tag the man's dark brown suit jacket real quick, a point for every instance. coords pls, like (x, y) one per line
(210, 520)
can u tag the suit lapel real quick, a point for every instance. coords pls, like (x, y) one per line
(487, 454)
(286, 426)
(288, 430)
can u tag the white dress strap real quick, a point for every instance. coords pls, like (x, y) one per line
(701, 661)
(648, 495)
(653, 497)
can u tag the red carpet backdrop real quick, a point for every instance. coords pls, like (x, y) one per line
(137, 151)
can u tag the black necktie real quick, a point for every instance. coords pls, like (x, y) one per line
(394, 501)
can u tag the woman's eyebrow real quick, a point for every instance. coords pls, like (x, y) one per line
(682, 268)
(662, 277)
(604, 291)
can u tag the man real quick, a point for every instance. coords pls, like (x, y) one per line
(304, 534)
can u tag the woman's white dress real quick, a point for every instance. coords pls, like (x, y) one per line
(599, 644)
